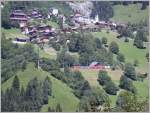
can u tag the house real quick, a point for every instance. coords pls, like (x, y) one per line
(18, 16)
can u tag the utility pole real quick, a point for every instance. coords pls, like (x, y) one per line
(38, 58)
(38, 43)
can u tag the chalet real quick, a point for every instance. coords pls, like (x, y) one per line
(18, 16)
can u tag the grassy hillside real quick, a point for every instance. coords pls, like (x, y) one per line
(46, 53)
(61, 92)
(13, 33)
(131, 13)
(131, 52)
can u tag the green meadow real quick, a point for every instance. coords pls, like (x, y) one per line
(131, 13)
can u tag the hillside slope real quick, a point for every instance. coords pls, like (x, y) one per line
(131, 13)
(61, 92)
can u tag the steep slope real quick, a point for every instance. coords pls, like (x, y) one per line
(61, 92)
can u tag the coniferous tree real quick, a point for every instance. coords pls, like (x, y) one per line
(126, 83)
(114, 48)
(129, 71)
(103, 77)
(16, 83)
(58, 108)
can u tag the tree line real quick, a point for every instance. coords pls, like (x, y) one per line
(19, 99)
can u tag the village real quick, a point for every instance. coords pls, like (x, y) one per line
(43, 33)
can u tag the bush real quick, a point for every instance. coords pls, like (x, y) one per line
(111, 88)
(103, 77)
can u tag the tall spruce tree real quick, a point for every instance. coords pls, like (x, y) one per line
(16, 83)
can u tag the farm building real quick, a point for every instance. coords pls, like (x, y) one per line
(92, 65)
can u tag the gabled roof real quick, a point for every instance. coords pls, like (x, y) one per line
(93, 63)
